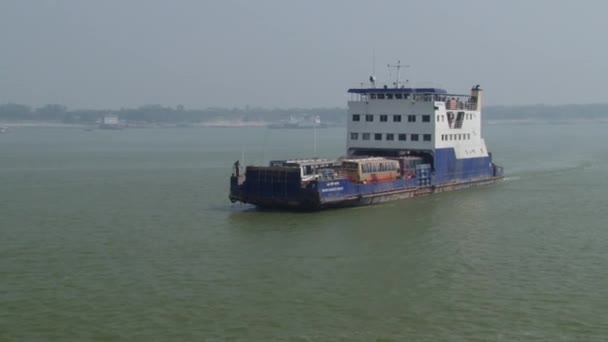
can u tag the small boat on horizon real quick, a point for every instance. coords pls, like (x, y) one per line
(294, 123)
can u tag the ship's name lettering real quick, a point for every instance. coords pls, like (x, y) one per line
(340, 188)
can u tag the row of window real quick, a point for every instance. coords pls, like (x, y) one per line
(413, 137)
(401, 96)
(396, 118)
(460, 116)
(390, 136)
(378, 167)
(451, 137)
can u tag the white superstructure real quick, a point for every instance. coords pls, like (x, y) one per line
(404, 120)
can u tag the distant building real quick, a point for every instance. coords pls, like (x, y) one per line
(110, 122)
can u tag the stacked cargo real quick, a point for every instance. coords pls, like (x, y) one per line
(423, 174)
(371, 170)
(408, 165)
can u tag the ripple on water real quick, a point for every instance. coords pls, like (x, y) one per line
(107, 248)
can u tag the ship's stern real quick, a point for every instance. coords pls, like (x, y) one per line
(274, 187)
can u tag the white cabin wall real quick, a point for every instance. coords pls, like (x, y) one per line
(390, 108)
(471, 127)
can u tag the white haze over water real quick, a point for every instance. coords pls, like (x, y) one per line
(100, 54)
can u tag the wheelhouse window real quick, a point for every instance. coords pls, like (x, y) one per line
(369, 117)
(396, 118)
(365, 136)
(402, 137)
(411, 118)
(383, 118)
(414, 137)
(380, 96)
(390, 136)
(378, 136)
(356, 117)
(389, 96)
(426, 137)
(426, 118)
(354, 136)
(398, 96)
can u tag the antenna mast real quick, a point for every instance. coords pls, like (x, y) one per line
(398, 66)
(373, 62)
(372, 77)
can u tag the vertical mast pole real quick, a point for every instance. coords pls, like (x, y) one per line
(398, 66)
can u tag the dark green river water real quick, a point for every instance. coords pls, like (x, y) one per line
(129, 235)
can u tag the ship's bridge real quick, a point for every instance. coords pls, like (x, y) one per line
(452, 101)
(400, 90)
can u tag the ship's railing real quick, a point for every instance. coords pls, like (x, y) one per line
(452, 102)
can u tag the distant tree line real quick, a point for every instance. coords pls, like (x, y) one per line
(541, 111)
(179, 114)
(164, 114)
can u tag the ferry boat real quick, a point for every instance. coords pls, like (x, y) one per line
(401, 142)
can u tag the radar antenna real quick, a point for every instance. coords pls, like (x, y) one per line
(397, 66)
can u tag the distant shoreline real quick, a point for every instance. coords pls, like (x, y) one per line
(40, 124)
(543, 121)
(46, 124)
(258, 124)
(234, 123)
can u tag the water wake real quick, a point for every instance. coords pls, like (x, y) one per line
(512, 178)
(549, 170)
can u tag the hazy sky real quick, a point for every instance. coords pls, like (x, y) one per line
(115, 53)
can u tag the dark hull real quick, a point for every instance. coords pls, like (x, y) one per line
(311, 201)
